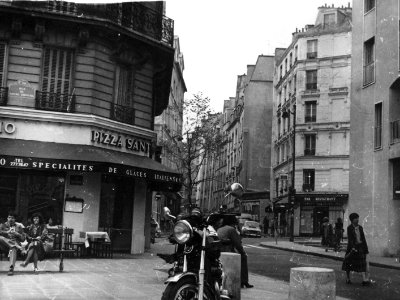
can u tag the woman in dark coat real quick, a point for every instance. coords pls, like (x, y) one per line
(36, 234)
(357, 250)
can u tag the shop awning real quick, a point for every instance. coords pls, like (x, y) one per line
(25, 154)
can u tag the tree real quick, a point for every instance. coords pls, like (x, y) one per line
(200, 137)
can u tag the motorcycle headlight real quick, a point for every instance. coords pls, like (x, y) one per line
(183, 231)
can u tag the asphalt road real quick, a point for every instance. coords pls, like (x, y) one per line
(276, 264)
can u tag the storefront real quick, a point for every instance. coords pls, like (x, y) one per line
(314, 207)
(103, 185)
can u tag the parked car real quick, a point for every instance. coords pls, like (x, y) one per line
(251, 228)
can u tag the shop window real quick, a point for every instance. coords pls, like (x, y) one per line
(312, 49)
(8, 194)
(368, 5)
(311, 80)
(309, 148)
(310, 112)
(369, 61)
(308, 180)
(378, 126)
(56, 71)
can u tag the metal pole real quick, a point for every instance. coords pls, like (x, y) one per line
(293, 190)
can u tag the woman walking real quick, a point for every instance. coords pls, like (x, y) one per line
(36, 234)
(357, 249)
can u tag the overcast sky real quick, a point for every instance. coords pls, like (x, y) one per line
(219, 38)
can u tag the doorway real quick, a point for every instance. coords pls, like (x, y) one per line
(116, 210)
(319, 213)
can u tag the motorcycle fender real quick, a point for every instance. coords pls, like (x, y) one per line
(178, 277)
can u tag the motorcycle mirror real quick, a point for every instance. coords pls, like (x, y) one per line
(236, 190)
(167, 213)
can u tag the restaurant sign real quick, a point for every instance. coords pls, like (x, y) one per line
(322, 199)
(84, 166)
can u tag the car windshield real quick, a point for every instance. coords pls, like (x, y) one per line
(251, 224)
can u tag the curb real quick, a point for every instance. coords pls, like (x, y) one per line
(375, 264)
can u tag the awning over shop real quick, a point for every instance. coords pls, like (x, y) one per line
(25, 154)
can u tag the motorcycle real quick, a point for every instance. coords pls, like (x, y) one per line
(197, 272)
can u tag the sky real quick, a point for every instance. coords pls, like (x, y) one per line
(219, 38)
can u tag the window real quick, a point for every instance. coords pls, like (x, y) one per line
(309, 148)
(2, 62)
(56, 71)
(286, 68)
(310, 112)
(368, 5)
(279, 128)
(294, 83)
(378, 126)
(312, 51)
(295, 53)
(311, 80)
(290, 59)
(369, 61)
(125, 79)
(280, 70)
(308, 180)
(329, 20)
(276, 187)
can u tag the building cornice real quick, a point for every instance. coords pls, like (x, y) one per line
(75, 119)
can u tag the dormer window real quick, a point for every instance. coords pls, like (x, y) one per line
(329, 20)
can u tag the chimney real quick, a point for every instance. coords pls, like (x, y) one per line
(348, 5)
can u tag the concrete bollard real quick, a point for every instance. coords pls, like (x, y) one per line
(309, 283)
(231, 263)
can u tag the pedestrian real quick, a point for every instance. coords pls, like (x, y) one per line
(266, 225)
(36, 234)
(11, 236)
(338, 233)
(231, 241)
(326, 233)
(357, 249)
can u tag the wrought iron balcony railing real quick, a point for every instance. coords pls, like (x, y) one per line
(309, 151)
(312, 55)
(131, 15)
(310, 119)
(308, 187)
(123, 114)
(55, 101)
(311, 86)
(3, 96)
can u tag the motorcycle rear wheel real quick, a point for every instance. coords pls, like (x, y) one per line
(186, 289)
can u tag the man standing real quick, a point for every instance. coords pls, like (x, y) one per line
(231, 241)
(11, 236)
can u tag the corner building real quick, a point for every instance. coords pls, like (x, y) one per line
(80, 87)
(312, 82)
(375, 115)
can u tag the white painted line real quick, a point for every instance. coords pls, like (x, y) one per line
(252, 246)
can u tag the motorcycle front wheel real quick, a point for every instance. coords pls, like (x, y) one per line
(186, 289)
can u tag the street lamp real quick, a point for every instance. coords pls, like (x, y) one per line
(292, 191)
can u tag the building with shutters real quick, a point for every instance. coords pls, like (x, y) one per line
(312, 82)
(80, 85)
(375, 123)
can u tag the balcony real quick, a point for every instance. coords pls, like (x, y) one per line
(369, 73)
(122, 114)
(133, 16)
(3, 96)
(55, 102)
(309, 151)
(312, 55)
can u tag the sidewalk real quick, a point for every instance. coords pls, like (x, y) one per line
(377, 261)
(136, 277)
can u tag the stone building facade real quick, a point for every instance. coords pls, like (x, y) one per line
(375, 115)
(312, 81)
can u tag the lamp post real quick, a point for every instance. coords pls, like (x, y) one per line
(292, 190)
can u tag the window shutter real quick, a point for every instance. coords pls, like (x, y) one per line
(57, 67)
(2, 62)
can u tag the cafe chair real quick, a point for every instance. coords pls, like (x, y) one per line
(101, 248)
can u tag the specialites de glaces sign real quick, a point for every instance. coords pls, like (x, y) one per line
(131, 144)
